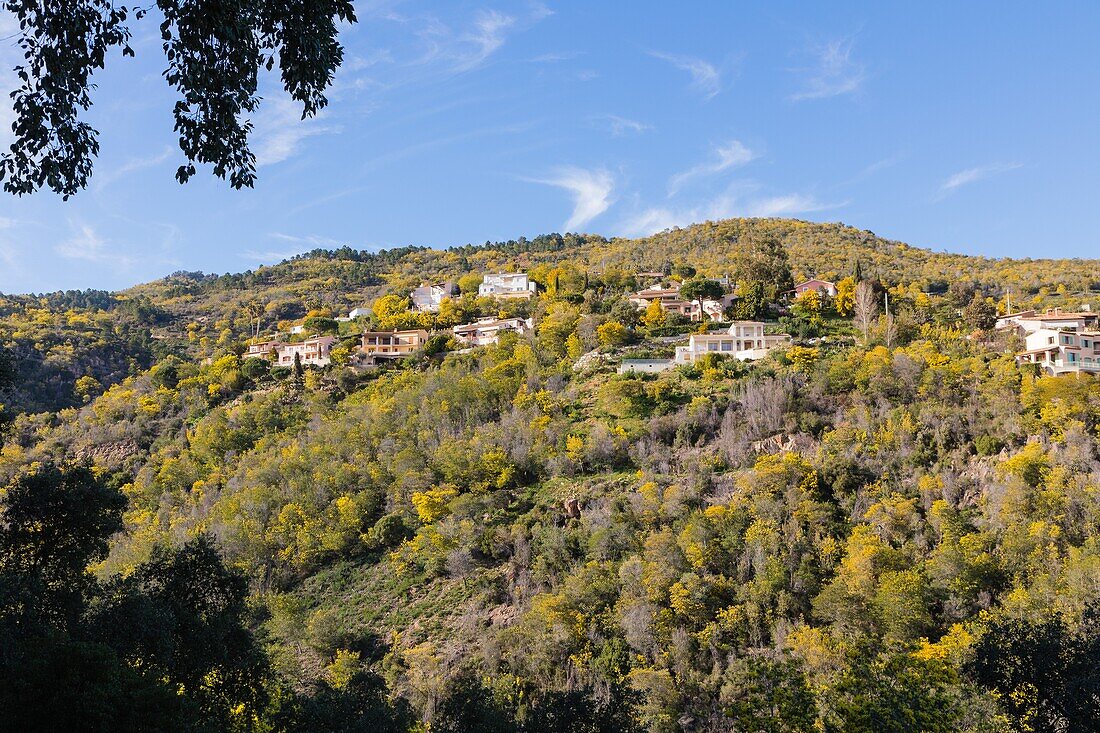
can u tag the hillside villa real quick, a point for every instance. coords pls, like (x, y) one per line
(312, 352)
(821, 287)
(428, 296)
(485, 331)
(744, 340)
(393, 344)
(671, 302)
(1025, 322)
(1062, 351)
(506, 285)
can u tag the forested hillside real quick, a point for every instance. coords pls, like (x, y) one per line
(889, 525)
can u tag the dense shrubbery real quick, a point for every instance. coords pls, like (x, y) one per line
(885, 531)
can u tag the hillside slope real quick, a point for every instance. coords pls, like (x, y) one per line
(864, 531)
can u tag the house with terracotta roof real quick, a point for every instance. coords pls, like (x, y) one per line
(821, 287)
(1026, 322)
(312, 351)
(393, 344)
(485, 331)
(671, 302)
(1062, 351)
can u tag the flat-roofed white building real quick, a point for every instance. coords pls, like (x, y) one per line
(506, 285)
(645, 366)
(485, 331)
(428, 296)
(744, 340)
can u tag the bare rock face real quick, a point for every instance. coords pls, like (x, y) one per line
(782, 443)
(592, 360)
(109, 454)
(572, 508)
(503, 615)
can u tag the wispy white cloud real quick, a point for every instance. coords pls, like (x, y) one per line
(87, 245)
(729, 155)
(7, 249)
(280, 130)
(313, 240)
(742, 199)
(467, 49)
(705, 77)
(972, 175)
(268, 256)
(834, 72)
(590, 189)
(619, 126)
(554, 57)
(131, 166)
(488, 34)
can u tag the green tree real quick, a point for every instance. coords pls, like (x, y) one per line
(56, 523)
(214, 56)
(844, 302)
(752, 300)
(612, 333)
(697, 290)
(980, 313)
(320, 324)
(761, 257)
(1044, 672)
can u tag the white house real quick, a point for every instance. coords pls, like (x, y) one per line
(1026, 322)
(428, 296)
(645, 366)
(358, 313)
(506, 285)
(486, 331)
(1062, 351)
(744, 340)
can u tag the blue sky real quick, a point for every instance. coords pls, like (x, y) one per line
(970, 129)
